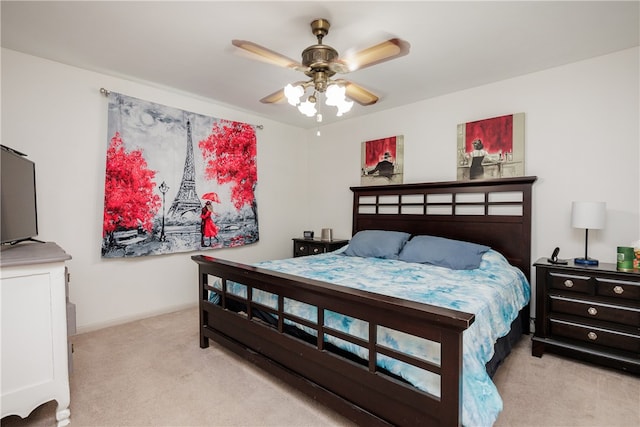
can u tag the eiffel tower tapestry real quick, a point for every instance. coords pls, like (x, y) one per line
(176, 181)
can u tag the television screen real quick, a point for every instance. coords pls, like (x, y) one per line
(18, 215)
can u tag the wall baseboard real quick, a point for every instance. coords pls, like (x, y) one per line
(122, 320)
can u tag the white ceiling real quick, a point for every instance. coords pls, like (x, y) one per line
(184, 45)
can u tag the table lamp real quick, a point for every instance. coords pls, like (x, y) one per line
(587, 215)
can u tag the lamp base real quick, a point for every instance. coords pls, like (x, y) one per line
(586, 261)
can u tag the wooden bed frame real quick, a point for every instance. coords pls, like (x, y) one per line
(494, 212)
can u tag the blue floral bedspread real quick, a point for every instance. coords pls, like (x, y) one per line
(495, 293)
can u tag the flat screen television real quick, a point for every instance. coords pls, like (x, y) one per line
(18, 213)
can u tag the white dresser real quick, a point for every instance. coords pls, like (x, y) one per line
(34, 329)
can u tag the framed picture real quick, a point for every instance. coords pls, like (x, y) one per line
(382, 161)
(491, 148)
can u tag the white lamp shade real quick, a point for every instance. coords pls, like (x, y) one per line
(307, 108)
(590, 215)
(293, 94)
(335, 95)
(344, 107)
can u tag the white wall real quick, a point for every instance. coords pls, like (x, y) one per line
(581, 140)
(56, 114)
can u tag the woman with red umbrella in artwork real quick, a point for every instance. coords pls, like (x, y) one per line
(207, 227)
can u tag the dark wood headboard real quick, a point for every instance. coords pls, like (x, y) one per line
(496, 213)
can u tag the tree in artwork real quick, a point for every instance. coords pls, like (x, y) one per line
(129, 200)
(230, 157)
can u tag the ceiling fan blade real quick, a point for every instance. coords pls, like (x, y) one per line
(267, 55)
(358, 93)
(385, 51)
(274, 98)
(278, 95)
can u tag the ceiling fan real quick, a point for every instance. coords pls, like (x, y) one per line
(320, 62)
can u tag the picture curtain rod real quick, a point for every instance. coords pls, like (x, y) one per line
(106, 93)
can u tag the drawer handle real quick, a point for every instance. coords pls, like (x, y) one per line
(301, 248)
(618, 290)
(592, 311)
(316, 250)
(568, 283)
(592, 336)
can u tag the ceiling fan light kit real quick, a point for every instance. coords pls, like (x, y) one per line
(320, 62)
(335, 97)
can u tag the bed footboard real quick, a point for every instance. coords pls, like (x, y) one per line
(361, 391)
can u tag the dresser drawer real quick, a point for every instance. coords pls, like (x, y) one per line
(618, 288)
(618, 339)
(569, 282)
(626, 315)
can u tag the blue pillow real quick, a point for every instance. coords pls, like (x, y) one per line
(377, 244)
(449, 253)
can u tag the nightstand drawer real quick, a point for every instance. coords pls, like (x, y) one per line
(316, 249)
(618, 288)
(596, 310)
(300, 249)
(303, 247)
(569, 282)
(617, 339)
(307, 248)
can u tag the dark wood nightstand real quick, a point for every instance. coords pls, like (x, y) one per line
(303, 247)
(588, 312)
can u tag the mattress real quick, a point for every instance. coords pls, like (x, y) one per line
(495, 293)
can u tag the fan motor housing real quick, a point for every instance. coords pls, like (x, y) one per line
(318, 57)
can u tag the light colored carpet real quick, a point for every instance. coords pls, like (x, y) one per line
(152, 372)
